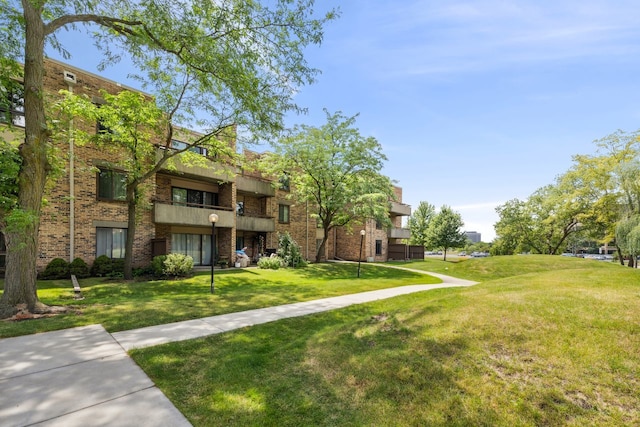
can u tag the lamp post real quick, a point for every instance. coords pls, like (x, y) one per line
(213, 218)
(362, 233)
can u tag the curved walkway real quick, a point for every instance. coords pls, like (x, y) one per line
(83, 376)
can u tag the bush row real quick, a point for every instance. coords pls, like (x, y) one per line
(172, 265)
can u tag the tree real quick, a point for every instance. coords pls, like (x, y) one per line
(135, 129)
(418, 223)
(628, 237)
(243, 59)
(444, 230)
(335, 169)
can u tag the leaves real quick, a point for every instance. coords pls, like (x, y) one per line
(336, 172)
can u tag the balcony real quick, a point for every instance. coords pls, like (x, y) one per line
(399, 233)
(254, 223)
(208, 169)
(197, 217)
(400, 209)
(255, 186)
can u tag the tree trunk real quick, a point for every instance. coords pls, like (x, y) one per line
(22, 236)
(323, 244)
(620, 257)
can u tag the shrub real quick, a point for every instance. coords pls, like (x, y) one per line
(157, 265)
(270, 263)
(289, 251)
(103, 266)
(79, 268)
(56, 269)
(178, 265)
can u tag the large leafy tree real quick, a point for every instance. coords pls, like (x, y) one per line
(419, 221)
(336, 170)
(243, 61)
(444, 231)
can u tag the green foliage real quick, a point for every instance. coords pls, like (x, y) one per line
(289, 251)
(418, 223)
(337, 172)
(271, 263)
(103, 266)
(444, 231)
(178, 265)
(157, 265)
(57, 268)
(10, 166)
(79, 268)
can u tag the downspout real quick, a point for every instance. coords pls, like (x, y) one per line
(70, 79)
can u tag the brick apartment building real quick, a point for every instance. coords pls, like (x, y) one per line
(86, 216)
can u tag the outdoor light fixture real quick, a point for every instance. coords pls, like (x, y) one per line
(213, 218)
(362, 233)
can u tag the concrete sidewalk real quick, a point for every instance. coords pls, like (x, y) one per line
(84, 377)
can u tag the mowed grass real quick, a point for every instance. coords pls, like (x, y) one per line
(484, 269)
(557, 345)
(119, 305)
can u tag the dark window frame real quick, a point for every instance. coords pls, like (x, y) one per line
(284, 214)
(190, 194)
(12, 104)
(111, 195)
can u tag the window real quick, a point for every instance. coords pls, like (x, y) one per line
(283, 213)
(111, 242)
(378, 247)
(12, 104)
(179, 145)
(378, 225)
(284, 181)
(101, 128)
(239, 208)
(193, 198)
(112, 185)
(197, 246)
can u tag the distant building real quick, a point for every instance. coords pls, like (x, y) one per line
(474, 236)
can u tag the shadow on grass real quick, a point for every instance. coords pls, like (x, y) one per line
(357, 366)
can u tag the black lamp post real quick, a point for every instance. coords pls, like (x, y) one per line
(362, 233)
(213, 218)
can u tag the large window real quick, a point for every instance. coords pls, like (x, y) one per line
(283, 213)
(197, 246)
(193, 198)
(111, 242)
(112, 185)
(179, 145)
(12, 104)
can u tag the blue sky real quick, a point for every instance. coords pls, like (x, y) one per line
(475, 102)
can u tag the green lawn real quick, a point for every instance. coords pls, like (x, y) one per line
(121, 305)
(484, 269)
(556, 345)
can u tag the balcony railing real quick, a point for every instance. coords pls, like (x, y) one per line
(255, 223)
(210, 170)
(185, 215)
(255, 186)
(399, 233)
(400, 209)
